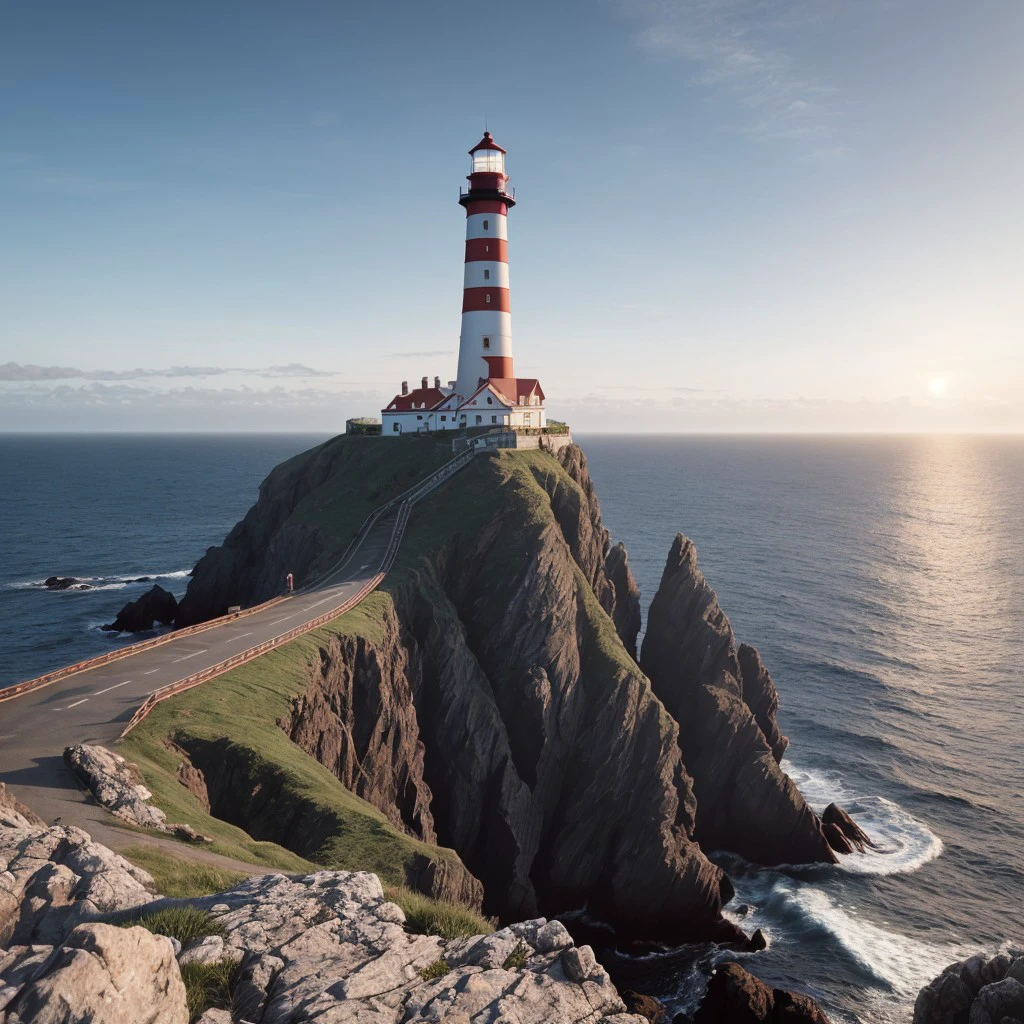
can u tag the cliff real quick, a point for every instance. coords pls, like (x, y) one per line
(725, 703)
(488, 699)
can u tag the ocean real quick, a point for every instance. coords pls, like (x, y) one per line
(882, 579)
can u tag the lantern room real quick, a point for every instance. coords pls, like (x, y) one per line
(487, 157)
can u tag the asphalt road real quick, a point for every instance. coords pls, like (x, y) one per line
(93, 706)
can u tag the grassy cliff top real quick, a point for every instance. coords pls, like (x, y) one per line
(241, 709)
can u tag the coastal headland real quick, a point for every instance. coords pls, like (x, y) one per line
(480, 729)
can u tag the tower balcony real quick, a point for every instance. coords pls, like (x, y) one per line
(500, 192)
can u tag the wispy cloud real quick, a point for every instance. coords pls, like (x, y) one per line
(743, 47)
(30, 372)
(433, 354)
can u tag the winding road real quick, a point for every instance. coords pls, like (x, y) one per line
(94, 705)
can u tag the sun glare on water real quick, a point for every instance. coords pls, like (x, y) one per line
(937, 386)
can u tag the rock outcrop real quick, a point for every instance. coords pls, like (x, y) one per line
(104, 973)
(65, 583)
(327, 947)
(156, 605)
(979, 990)
(117, 785)
(736, 997)
(745, 802)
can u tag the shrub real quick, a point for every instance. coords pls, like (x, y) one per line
(438, 969)
(208, 986)
(184, 923)
(426, 916)
(516, 960)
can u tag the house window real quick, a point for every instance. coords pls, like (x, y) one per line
(419, 417)
(443, 418)
(395, 427)
(487, 342)
(490, 401)
(479, 419)
(494, 419)
(485, 224)
(487, 275)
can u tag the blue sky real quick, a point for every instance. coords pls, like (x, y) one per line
(734, 214)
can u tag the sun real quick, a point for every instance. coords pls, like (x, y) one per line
(937, 386)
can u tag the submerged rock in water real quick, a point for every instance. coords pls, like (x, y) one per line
(854, 835)
(156, 605)
(65, 583)
(736, 997)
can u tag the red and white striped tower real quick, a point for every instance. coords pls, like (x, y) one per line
(485, 345)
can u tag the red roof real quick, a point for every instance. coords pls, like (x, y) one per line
(514, 390)
(418, 398)
(487, 143)
(517, 389)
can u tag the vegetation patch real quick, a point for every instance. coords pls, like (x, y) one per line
(179, 877)
(426, 916)
(209, 986)
(438, 969)
(184, 923)
(516, 960)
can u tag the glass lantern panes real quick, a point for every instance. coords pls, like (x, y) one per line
(489, 161)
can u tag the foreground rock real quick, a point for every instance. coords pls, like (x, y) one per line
(104, 973)
(725, 702)
(326, 947)
(156, 605)
(117, 785)
(736, 997)
(979, 990)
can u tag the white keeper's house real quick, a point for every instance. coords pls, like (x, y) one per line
(487, 393)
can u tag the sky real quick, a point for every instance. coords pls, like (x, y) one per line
(733, 215)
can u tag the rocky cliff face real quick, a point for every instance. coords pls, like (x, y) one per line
(494, 705)
(496, 710)
(725, 703)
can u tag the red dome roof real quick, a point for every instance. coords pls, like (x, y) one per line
(487, 143)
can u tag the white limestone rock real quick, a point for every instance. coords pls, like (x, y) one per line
(105, 973)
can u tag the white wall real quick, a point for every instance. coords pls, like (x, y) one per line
(497, 225)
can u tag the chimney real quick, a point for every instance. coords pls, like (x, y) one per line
(405, 387)
(437, 383)
(424, 384)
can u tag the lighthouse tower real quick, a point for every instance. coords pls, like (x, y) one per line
(486, 395)
(485, 344)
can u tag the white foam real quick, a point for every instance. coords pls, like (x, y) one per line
(794, 911)
(101, 582)
(903, 843)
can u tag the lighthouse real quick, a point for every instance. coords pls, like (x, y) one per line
(485, 344)
(486, 393)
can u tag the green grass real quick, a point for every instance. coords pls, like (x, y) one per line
(180, 878)
(208, 986)
(365, 472)
(438, 969)
(516, 960)
(237, 714)
(426, 916)
(184, 923)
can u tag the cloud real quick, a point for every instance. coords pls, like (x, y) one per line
(742, 47)
(31, 372)
(433, 354)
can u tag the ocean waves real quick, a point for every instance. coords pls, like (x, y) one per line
(84, 584)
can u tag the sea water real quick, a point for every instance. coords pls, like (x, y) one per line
(881, 578)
